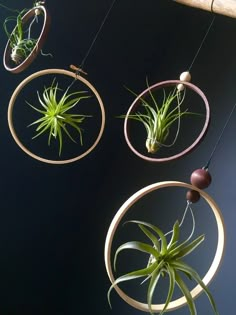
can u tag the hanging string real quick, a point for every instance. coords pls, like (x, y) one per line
(220, 136)
(188, 208)
(31, 24)
(225, 125)
(79, 69)
(96, 36)
(203, 40)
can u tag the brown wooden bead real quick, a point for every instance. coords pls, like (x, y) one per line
(192, 196)
(201, 178)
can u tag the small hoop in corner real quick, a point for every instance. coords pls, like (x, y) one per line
(47, 72)
(214, 265)
(38, 46)
(197, 140)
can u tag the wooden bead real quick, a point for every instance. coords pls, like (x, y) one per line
(37, 11)
(180, 87)
(185, 76)
(192, 196)
(201, 178)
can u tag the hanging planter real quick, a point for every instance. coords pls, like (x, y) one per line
(165, 259)
(56, 116)
(158, 118)
(21, 48)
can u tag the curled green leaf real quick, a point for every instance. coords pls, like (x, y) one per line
(158, 119)
(164, 260)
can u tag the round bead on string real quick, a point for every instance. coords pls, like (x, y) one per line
(200, 178)
(37, 12)
(185, 77)
(193, 196)
(180, 87)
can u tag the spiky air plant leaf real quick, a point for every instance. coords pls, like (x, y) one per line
(55, 114)
(166, 260)
(158, 119)
(21, 42)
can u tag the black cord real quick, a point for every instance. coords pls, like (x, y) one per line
(98, 32)
(220, 136)
(79, 70)
(203, 40)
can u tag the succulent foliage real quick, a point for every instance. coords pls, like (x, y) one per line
(55, 114)
(166, 259)
(21, 43)
(159, 118)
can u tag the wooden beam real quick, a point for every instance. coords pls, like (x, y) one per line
(224, 7)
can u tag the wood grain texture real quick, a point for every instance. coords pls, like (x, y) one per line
(224, 7)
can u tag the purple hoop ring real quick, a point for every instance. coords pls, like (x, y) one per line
(38, 46)
(193, 145)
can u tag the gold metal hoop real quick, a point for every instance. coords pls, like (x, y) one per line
(39, 74)
(214, 265)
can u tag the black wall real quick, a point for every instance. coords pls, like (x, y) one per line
(54, 219)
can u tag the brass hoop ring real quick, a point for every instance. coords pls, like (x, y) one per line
(208, 276)
(38, 46)
(39, 74)
(197, 140)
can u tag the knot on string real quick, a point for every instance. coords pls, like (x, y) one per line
(78, 70)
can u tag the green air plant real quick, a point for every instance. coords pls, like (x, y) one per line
(21, 43)
(165, 259)
(55, 114)
(159, 118)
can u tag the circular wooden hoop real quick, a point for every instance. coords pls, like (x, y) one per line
(215, 263)
(39, 74)
(193, 145)
(38, 46)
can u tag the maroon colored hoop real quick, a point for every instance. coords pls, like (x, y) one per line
(193, 145)
(38, 46)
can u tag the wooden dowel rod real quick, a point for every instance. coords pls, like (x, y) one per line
(224, 7)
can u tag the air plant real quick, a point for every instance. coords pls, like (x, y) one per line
(21, 42)
(55, 117)
(159, 118)
(165, 259)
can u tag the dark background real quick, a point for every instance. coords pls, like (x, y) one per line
(54, 219)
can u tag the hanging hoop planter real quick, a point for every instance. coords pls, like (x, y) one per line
(153, 119)
(179, 302)
(17, 56)
(71, 119)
